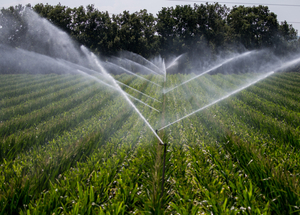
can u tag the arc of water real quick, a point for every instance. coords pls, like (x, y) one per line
(140, 65)
(132, 73)
(126, 97)
(288, 64)
(106, 84)
(137, 91)
(78, 67)
(142, 102)
(164, 69)
(174, 61)
(141, 57)
(207, 71)
(234, 92)
(93, 71)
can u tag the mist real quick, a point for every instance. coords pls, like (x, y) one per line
(38, 47)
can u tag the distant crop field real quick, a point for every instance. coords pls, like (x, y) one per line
(70, 145)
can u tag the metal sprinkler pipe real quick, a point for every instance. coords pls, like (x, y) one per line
(164, 168)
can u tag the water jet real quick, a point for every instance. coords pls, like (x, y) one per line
(209, 70)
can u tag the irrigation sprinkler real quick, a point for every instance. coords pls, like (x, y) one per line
(164, 167)
(71, 55)
(164, 71)
(164, 170)
(126, 96)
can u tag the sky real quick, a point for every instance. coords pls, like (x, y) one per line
(289, 13)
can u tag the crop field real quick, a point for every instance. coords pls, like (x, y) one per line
(71, 145)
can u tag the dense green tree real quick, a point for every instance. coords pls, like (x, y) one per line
(92, 28)
(199, 30)
(151, 40)
(137, 32)
(59, 15)
(12, 25)
(186, 28)
(287, 31)
(254, 27)
(287, 41)
(166, 28)
(211, 22)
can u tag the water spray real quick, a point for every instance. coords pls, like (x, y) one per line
(206, 106)
(128, 71)
(142, 102)
(95, 72)
(71, 54)
(102, 82)
(209, 70)
(144, 59)
(174, 62)
(137, 91)
(121, 91)
(165, 71)
(140, 65)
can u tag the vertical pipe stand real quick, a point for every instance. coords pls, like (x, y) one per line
(164, 168)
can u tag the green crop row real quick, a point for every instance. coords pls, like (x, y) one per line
(35, 104)
(25, 88)
(218, 130)
(85, 151)
(15, 81)
(47, 89)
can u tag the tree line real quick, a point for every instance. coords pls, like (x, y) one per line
(173, 31)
